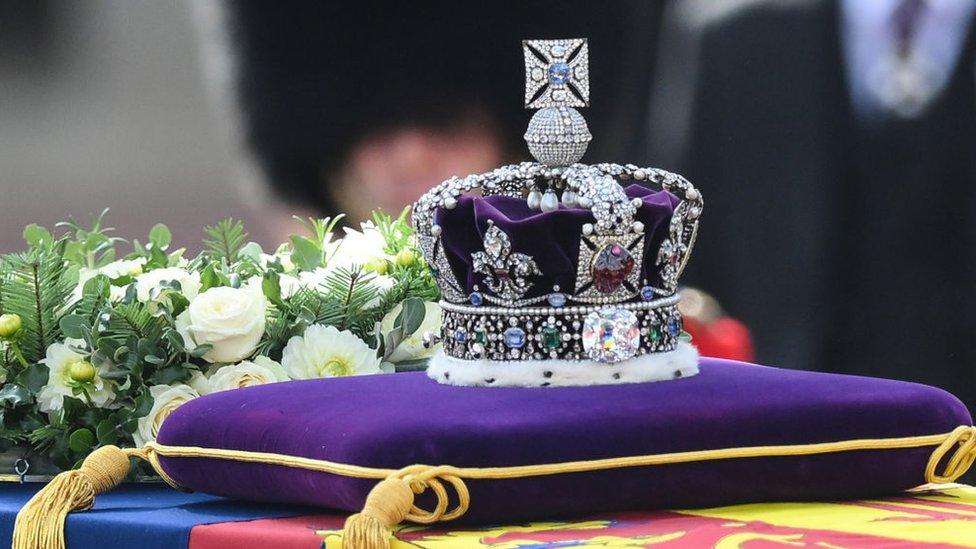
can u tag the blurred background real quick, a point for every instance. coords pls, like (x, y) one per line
(832, 139)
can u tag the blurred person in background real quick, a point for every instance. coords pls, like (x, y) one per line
(347, 109)
(834, 141)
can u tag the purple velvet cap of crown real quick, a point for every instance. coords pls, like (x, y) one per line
(551, 238)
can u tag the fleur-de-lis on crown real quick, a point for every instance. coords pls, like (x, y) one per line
(504, 271)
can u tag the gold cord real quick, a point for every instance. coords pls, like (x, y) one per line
(40, 524)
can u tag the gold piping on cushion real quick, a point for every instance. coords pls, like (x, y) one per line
(40, 524)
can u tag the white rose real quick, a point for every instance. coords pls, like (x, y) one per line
(412, 347)
(260, 371)
(115, 269)
(357, 247)
(68, 370)
(199, 383)
(165, 399)
(147, 282)
(324, 351)
(230, 319)
(122, 267)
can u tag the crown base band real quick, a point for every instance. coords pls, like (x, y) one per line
(680, 362)
(605, 334)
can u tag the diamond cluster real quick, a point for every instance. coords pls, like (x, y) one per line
(558, 136)
(556, 73)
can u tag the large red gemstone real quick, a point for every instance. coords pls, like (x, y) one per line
(612, 264)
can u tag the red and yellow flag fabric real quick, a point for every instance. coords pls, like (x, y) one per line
(943, 516)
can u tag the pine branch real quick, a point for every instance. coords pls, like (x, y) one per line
(226, 239)
(37, 287)
(39, 307)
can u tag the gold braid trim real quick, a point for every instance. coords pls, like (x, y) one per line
(40, 524)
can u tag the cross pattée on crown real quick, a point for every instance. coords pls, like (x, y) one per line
(556, 73)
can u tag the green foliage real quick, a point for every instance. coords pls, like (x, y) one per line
(311, 252)
(36, 285)
(227, 238)
(135, 344)
(90, 247)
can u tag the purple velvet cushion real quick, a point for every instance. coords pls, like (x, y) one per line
(396, 420)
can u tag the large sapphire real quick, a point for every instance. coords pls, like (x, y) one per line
(558, 73)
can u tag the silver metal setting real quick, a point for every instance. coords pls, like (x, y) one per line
(505, 272)
(590, 246)
(557, 73)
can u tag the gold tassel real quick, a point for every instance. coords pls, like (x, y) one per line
(40, 523)
(387, 504)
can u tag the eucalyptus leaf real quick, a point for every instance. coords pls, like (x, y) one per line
(14, 395)
(35, 235)
(411, 317)
(160, 236)
(33, 377)
(107, 432)
(271, 286)
(252, 251)
(75, 327)
(306, 254)
(201, 350)
(81, 440)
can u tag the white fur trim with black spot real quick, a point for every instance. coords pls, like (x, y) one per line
(681, 362)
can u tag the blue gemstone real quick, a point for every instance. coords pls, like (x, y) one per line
(558, 73)
(557, 299)
(476, 299)
(674, 326)
(514, 337)
(460, 335)
(647, 293)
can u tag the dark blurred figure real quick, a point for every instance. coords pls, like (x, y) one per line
(350, 107)
(834, 142)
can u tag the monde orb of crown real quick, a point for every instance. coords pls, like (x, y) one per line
(558, 136)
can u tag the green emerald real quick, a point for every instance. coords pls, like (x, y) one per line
(655, 332)
(550, 337)
(481, 336)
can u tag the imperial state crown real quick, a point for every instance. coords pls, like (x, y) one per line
(559, 274)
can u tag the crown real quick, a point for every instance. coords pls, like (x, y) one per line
(558, 273)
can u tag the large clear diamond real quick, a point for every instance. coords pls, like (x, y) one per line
(611, 334)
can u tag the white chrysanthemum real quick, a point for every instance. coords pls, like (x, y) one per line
(324, 351)
(166, 398)
(357, 247)
(147, 282)
(68, 370)
(262, 370)
(412, 347)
